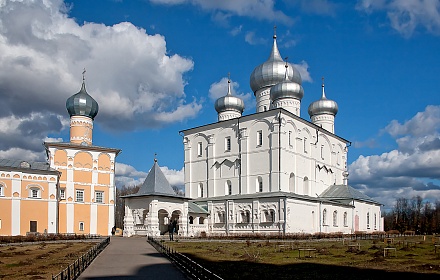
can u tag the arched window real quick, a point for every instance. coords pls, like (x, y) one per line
(368, 219)
(2, 190)
(259, 184)
(81, 226)
(345, 219)
(324, 217)
(34, 192)
(375, 223)
(292, 182)
(191, 220)
(306, 186)
(335, 218)
(228, 187)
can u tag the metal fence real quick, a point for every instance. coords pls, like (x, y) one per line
(188, 266)
(77, 267)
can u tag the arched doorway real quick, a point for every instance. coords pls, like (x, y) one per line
(163, 220)
(175, 216)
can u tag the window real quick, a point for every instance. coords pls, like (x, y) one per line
(62, 193)
(306, 186)
(324, 217)
(200, 194)
(201, 220)
(335, 218)
(290, 138)
(220, 217)
(322, 152)
(81, 226)
(2, 191)
(264, 108)
(191, 220)
(260, 184)
(33, 226)
(375, 224)
(259, 137)
(245, 217)
(305, 145)
(99, 197)
(292, 182)
(228, 144)
(34, 192)
(368, 220)
(345, 219)
(269, 216)
(80, 195)
(199, 149)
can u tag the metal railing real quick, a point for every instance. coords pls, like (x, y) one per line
(74, 270)
(188, 266)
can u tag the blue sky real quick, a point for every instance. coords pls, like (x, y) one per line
(156, 67)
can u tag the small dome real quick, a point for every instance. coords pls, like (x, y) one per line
(229, 102)
(82, 104)
(272, 71)
(323, 106)
(286, 89)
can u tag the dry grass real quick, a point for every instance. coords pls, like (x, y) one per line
(331, 260)
(39, 261)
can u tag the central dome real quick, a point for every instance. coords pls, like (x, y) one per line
(273, 71)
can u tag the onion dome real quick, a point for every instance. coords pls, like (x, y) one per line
(82, 104)
(229, 102)
(286, 89)
(272, 71)
(323, 105)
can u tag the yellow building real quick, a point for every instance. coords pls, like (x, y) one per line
(28, 197)
(73, 193)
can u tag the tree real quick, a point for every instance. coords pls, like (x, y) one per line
(120, 203)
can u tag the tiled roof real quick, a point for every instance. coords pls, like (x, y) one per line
(25, 165)
(155, 184)
(345, 192)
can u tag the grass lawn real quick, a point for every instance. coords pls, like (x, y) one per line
(412, 258)
(39, 261)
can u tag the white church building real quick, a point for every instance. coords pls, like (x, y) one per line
(270, 172)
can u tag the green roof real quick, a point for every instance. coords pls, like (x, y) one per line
(342, 192)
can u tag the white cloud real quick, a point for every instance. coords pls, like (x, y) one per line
(43, 52)
(236, 30)
(220, 88)
(303, 68)
(261, 9)
(127, 175)
(251, 39)
(406, 15)
(414, 165)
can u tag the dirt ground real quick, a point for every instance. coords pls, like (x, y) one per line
(362, 259)
(39, 261)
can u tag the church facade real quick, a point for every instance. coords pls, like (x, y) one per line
(73, 192)
(267, 172)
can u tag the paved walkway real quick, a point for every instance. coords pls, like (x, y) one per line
(131, 258)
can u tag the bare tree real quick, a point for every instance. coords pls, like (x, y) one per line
(120, 203)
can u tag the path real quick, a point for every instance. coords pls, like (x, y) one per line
(131, 258)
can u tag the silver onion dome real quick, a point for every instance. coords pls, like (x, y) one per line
(286, 88)
(82, 104)
(272, 71)
(323, 106)
(229, 102)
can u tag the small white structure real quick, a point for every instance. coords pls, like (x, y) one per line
(149, 211)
